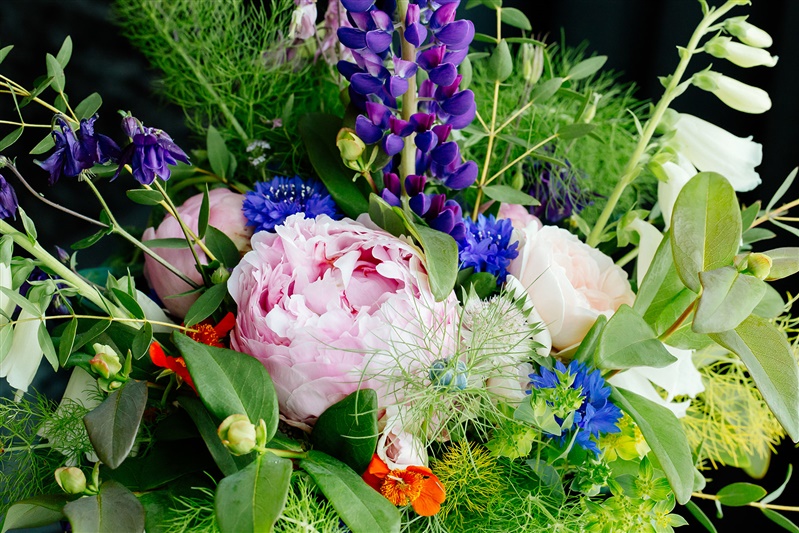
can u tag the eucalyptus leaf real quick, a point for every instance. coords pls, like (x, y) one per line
(500, 64)
(347, 430)
(754, 235)
(628, 341)
(778, 492)
(90, 334)
(360, 507)
(784, 262)
(740, 494)
(157, 510)
(115, 509)
(770, 361)
(706, 227)
(112, 426)
(161, 464)
(666, 438)
(727, 298)
(252, 499)
(35, 512)
(88, 106)
(206, 304)
(513, 17)
(319, 132)
(509, 195)
(586, 68)
(230, 382)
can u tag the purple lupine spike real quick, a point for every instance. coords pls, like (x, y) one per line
(426, 141)
(357, 6)
(367, 131)
(393, 144)
(456, 57)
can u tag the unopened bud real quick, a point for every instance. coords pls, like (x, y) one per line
(106, 361)
(739, 54)
(445, 375)
(350, 145)
(238, 434)
(517, 181)
(736, 94)
(748, 33)
(590, 110)
(71, 479)
(220, 275)
(759, 265)
(532, 62)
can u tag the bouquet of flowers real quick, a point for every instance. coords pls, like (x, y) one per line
(412, 277)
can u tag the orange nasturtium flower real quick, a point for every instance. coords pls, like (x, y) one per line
(415, 485)
(175, 364)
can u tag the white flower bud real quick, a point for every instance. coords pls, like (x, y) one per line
(736, 94)
(532, 62)
(740, 54)
(748, 33)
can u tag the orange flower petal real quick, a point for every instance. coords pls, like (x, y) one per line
(432, 496)
(157, 355)
(375, 472)
(227, 323)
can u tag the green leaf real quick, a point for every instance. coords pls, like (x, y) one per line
(706, 227)
(206, 304)
(28, 226)
(500, 64)
(347, 430)
(207, 427)
(112, 426)
(483, 283)
(513, 17)
(91, 240)
(770, 361)
(230, 382)
(466, 71)
(129, 303)
(492, 4)
(67, 341)
(441, 259)
(778, 492)
(46, 344)
(65, 52)
(700, 516)
(6, 338)
(88, 106)
(749, 214)
(727, 298)
(4, 51)
(754, 235)
(628, 341)
(11, 138)
(575, 131)
(44, 145)
(252, 499)
(90, 334)
(786, 185)
(145, 196)
(363, 509)
(142, 340)
(509, 195)
(589, 343)
(587, 67)
(546, 90)
(161, 464)
(665, 436)
(205, 209)
(784, 262)
(780, 520)
(319, 133)
(115, 509)
(169, 242)
(384, 215)
(35, 512)
(56, 72)
(740, 494)
(222, 247)
(21, 301)
(218, 154)
(157, 510)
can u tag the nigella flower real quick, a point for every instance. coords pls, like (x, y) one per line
(150, 152)
(557, 189)
(74, 154)
(8, 199)
(273, 201)
(487, 246)
(587, 396)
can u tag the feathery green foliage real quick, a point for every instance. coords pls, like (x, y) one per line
(228, 65)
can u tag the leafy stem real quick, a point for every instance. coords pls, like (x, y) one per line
(109, 318)
(673, 90)
(409, 99)
(773, 214)
(191, 237)
(759, 505)
(679, 322)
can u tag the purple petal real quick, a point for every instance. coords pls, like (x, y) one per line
(456, 57)
(378, 114)
(455, 207)
(365, 84)
(431, 58)
(130, 126)
(53, 165)
(400, 127)
(448, 91)
(446, 154)
(357, 6)
(391, 198)
(443, 16)
(404, 69)
(460, 104)
(458, 122)
(457, 35)
(422, 121)
(416, 34)
(444, 74)
(415, 184)
(392, 182)
(442, 131)
(397, 86)
(426, 141)
(368, 132)
(437, 202)
(382, 20)
(362, 21)
(419, 203)
(347, 69)
(464, 177)
(412, 16)
(352, 38)
(444, 222)
(378, 41)
(393, 144)
(427, 89)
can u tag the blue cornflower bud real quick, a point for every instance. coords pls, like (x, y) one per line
(487, 246)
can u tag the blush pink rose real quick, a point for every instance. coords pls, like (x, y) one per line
(569, 282)
(519, 216)
(330, 307)
(224, 214)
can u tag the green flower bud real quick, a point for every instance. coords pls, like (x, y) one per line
(350, 145)
(72, 480)
(759, 265)
(532, 62)
(106, 361)
(517, 181)
(238, 434)
(220, 275)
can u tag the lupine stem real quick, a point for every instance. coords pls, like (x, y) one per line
(409, 99)
(673, 90)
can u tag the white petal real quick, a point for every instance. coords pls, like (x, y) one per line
(152, 312)
(633, 381)
(22, 361)
(649, 238)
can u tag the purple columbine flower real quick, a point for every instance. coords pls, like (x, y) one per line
(8, 200)
(150, 152)
(273, 201)
(487, 246)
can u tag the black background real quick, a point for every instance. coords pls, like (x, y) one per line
(639, 36)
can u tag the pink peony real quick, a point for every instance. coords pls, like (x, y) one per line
(333, 306)
(569, 282)
(224, 214)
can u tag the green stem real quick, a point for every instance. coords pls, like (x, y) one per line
(109, 318)
(679, 322)
(191, 237)
(409, 100)
(672, 91)
(285, 453)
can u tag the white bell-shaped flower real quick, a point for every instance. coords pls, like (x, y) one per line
(23, 358)
(677, 173)
(748, 33)
(739, 54)
(734, 93)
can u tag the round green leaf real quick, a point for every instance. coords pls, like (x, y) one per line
(740, 494)
(347, 430)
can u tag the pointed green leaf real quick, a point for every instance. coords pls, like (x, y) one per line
(91, 240)
(587, 67)
(575, 131)
(252, 499)
(44, 145)
(4, 51)
(546, 90)
(665, 436)
(206, 304)
(88, 106)
(513, 17)
(28, 225)
(35, 512)
(749, 214)
(222, 247)
(56, 72)
(67, 341)
(700, 516)
(740, 494)
(784, 187)
(382, 214)
(347, 430)
(145, 196)
(500, 64)
(441, 259)
(11, 138)
(6, 338)
(142, 340)
(218, 154)
(589, 343)
(205, 209)
(112, 426)
(90, 334)
(46, 344)
(778, 492)
(115, 509)
(230, 382)
(65, 52)
(727, 298)
(363, 509)
(706, 227)
(628, 341)
(129, 303)
(780, 520)
(770, 361)
(509, 195)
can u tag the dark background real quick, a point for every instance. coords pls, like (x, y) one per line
(639, 36)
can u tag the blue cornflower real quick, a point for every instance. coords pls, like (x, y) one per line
(487, 246)
(8, 200)
(273, 201)
(594, 414)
